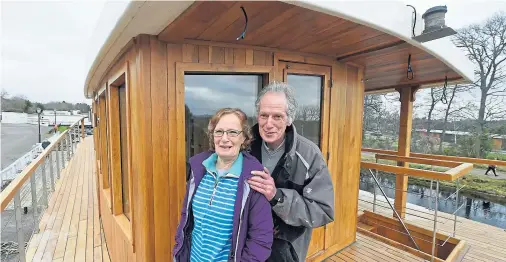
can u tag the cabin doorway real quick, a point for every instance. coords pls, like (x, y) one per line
(312, 90)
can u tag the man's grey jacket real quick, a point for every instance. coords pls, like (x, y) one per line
(303, 178)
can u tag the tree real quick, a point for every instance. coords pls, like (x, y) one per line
(27, 107)
(448, 111)
(4, 94)
(84, 108)
(435, 97)
(486, 46)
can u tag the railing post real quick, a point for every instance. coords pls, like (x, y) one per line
(19, 227)
(67, 143)
(33, 187)
(62, 152)
(435, 222)
(57, 161)
(44, 184)
(456, 206)
(51, 170)
(82, 128)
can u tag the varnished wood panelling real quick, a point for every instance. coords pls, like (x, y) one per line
(120, 236)
(113, 141)
(118, 245)
(191, 53)
(177, 181)
(160, 138)
(142, 153)
(286, 27)
(217, 55)
(158, 135)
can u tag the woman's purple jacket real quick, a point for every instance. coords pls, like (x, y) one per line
(252, 233)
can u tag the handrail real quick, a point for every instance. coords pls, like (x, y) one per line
(460, 159)
(399, 170)
(8, 193)
(425, 161)
(457, 169)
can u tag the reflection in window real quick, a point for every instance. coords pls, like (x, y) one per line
(206, 94)
(308, 90)
(124, 150)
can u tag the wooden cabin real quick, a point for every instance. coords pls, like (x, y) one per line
(165, 67)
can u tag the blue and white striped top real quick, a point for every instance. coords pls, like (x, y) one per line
(213, 211)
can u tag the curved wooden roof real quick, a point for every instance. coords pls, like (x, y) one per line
(346, 31)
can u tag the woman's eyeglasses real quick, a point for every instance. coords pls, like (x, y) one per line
(230, 133)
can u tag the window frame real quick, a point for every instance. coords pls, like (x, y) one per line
(120, 78)
(183, 68)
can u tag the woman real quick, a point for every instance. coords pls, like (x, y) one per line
(222, 218)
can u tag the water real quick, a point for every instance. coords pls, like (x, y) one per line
(476, 209)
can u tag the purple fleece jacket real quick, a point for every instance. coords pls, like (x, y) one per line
(252, 233)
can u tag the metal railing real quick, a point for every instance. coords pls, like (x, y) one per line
(26, 197)
(381, 203)
(10, 172)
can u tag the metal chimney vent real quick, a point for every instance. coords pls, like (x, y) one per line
(435, 27)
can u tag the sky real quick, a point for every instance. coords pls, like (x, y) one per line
(45, 45)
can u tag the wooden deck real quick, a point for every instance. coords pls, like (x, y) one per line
(70, 229)
(486, 243)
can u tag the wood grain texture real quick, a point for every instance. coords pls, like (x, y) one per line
(404, 145)
(142, 153)
(160, 138)
(287, 27)
(114, 145)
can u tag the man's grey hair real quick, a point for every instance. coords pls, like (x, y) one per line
(281, 87)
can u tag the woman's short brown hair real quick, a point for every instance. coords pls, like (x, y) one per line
(246, 130)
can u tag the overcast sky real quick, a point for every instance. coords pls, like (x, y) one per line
(44, 44)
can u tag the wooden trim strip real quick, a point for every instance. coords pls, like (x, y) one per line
(398, 170)
(459, 159)
(425, 161)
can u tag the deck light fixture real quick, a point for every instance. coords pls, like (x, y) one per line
(39, 111)
(435, 27)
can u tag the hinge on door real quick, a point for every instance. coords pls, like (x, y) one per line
(331, 83)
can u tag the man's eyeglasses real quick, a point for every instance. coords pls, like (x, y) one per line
(230, 133)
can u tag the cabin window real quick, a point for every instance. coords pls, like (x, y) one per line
(206, 93)
(308, 90)
(124, 150)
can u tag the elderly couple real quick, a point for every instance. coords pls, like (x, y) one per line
(256, 206)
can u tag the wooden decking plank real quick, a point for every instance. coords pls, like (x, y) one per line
(388, 254)
(71, 224)
(36, 238)
(47, 223)
(58, 221)
(91, 216)
(83, 218)
(379, 246)
(64, 230)
(97, 253)
(70, 252)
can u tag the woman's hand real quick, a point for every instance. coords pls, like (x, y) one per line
(263, 183)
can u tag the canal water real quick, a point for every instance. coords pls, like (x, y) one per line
(476, 209)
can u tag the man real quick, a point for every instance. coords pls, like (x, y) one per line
(296, 180)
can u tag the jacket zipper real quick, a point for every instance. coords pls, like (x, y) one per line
(214, 192)
(240, 223)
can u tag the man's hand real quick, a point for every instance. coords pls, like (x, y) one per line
(263, 183)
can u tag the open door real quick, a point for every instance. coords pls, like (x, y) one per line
(312, 89)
